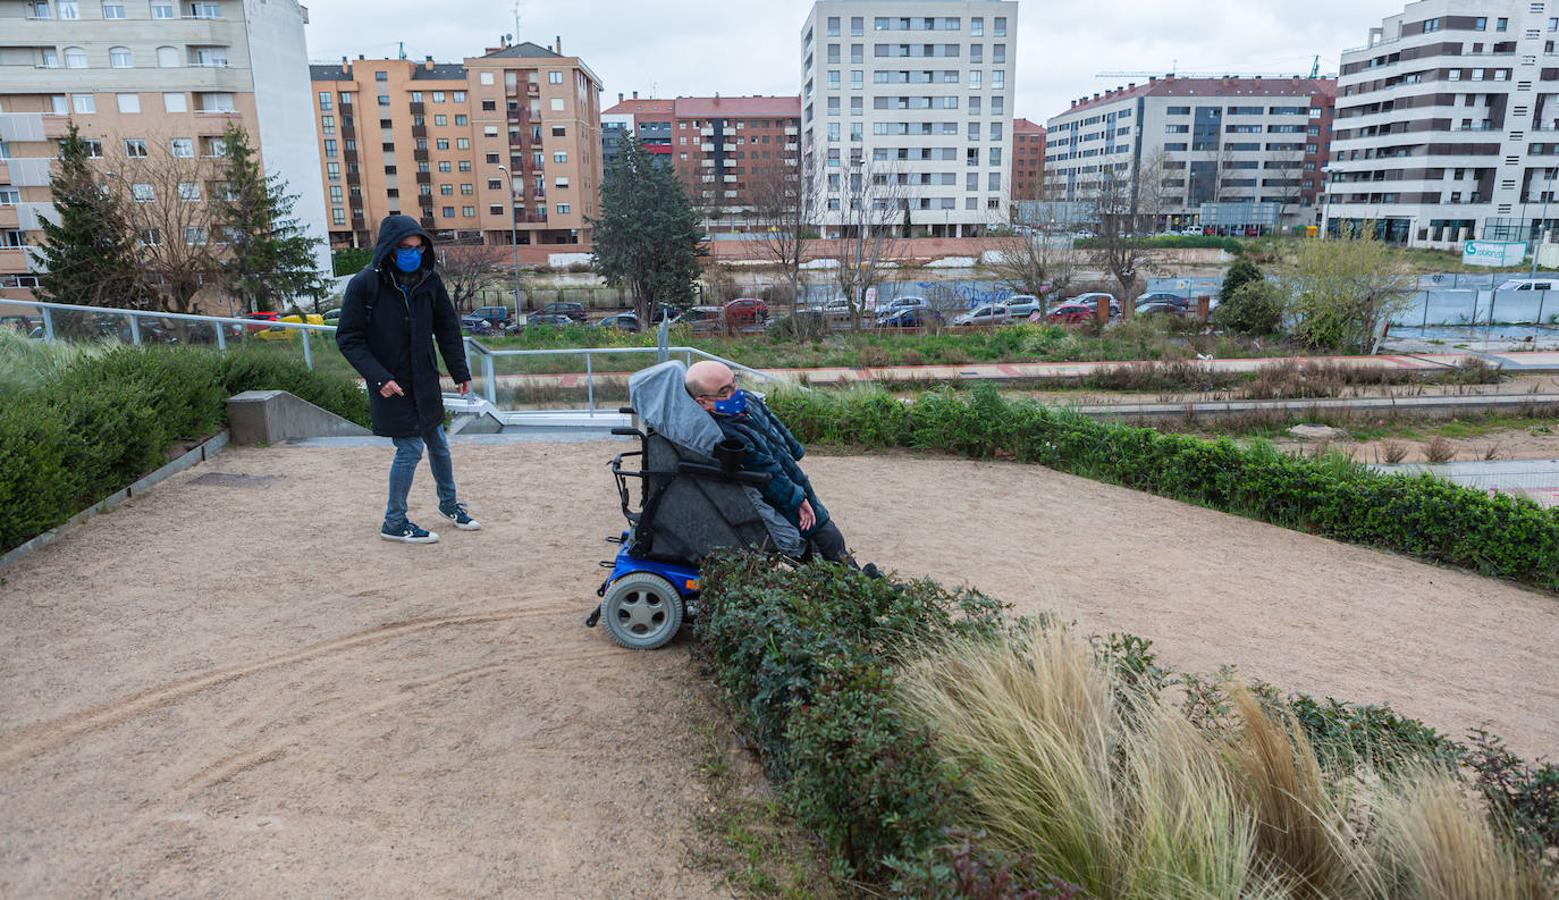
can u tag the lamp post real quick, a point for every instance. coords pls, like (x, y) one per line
(514, 238)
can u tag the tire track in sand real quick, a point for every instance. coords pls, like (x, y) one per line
(42, 737)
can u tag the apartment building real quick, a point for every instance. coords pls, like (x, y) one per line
(496, 147)
(723, 149)
(1237, 153)
(1028, 160)
(905, 108)
(134, 74)
(1448, 124)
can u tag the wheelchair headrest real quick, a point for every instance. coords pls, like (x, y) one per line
(660, 395)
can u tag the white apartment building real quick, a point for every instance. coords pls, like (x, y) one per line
(1448, 124)
(907, 105)
(133, 73)
(1233, 153)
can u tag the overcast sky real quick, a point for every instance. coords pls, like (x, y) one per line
(699, 47)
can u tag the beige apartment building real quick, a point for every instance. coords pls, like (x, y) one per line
(140, 78)
(497, 147)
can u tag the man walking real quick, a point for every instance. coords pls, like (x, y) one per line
(391, 314)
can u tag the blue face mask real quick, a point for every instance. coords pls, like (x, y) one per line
(734, 405)
(408, 259)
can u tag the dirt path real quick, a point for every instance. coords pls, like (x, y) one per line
(235, 688)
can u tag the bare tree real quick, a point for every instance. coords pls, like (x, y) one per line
(874, 206)
(467, 269)
(180, 244)
(1126, 204)
(783, 199)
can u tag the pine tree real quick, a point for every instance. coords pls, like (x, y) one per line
(88, 249)
(648, 236)
(271, 258)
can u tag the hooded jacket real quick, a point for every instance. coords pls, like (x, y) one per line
(387, 331)
(770, 448)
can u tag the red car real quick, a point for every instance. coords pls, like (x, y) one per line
(746, 311)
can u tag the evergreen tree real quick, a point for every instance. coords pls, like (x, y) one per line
(88, 250)
(271, 257)
(648, 236)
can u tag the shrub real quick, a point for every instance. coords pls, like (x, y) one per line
(1255, 308)
(1335, 497)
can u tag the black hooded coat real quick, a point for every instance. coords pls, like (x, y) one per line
(387, 330)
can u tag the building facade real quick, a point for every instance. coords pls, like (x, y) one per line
(141, 79)
(498, 147)
(1028, 161)
(906, 113)
(1233, 153)
(1447, 122)
(725, 150)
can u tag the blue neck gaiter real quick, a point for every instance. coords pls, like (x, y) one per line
(408, 259)
(734, 405)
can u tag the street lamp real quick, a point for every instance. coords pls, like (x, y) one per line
(514, 238)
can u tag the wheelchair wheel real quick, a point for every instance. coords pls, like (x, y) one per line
(642, 611)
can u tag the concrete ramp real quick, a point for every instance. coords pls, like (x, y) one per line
(272, 417)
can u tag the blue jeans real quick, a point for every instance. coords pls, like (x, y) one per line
(408, 452)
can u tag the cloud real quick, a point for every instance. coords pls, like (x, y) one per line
(707, 46)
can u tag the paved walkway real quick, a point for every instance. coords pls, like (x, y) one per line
(1524, 362)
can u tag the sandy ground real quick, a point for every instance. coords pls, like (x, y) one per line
(231, 687)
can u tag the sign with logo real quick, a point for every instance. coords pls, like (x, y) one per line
(1496, 254)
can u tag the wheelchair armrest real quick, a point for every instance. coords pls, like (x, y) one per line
(715, 473)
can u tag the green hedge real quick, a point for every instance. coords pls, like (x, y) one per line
(1427, 517)
(111, 418)
(807, 657)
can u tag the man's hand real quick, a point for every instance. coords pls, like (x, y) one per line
(463, 388)
(808, 517)
(391, 389)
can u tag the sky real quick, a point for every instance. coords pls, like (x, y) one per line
(700, 47)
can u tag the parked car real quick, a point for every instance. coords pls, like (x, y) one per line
(985, 314)
(575, 311)
(703, 319)
(1022, 306)
(496, 316)
(623, 321)
(744, 311)
(910, 317)
(1529, 284)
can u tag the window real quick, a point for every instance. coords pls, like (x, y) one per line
(167, 57)
(175, 102)
(554, 77)
(129, 103)
(182, 147)
(189, 191)
(75, 58)
(135, 148)
(142, 193)
(162, 9)
(83, 104)
(113, 9)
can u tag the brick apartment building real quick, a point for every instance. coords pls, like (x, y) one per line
(146, 81)
(1028, 160)
(721, 148)
(446, 143)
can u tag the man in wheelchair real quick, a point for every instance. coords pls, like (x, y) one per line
(768, 448)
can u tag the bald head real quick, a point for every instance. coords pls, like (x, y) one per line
(708, 381)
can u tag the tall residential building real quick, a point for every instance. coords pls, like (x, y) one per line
(1446, 124)
(136, 74)
(725, 150)
(1028, 160)
(906, 105)
(1236, 152)
(447, 143)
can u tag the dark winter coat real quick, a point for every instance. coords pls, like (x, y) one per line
(771, 449)
(387, 330)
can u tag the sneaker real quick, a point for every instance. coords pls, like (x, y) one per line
(460, 517)
(409, 534)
